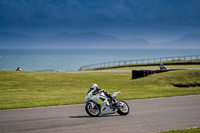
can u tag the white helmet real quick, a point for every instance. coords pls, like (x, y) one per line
(94, 86)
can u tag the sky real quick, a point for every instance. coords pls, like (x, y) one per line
(153, 20)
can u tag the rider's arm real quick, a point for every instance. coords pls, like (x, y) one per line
(105, 92)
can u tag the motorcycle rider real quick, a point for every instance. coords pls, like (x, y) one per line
(162, 66)
(98, 90)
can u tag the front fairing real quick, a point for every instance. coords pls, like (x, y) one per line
(88, 96)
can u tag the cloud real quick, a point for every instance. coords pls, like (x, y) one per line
(97, 14)
(40, 12)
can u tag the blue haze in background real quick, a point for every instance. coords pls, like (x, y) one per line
(71, 59)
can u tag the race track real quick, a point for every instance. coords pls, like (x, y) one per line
(146, 115)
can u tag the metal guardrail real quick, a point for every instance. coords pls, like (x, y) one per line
(140, 61)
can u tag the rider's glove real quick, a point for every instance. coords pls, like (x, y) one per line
(102, 90)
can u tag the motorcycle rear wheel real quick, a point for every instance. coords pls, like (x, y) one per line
(94, 112)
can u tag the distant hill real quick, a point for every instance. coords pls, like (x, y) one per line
(187, 41)
(90, 40)
(67, 40)
(95, 40)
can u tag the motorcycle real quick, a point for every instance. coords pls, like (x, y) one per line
(99, 104)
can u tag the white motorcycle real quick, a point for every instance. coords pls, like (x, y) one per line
(99, 105)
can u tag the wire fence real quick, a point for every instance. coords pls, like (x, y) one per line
(139, 61)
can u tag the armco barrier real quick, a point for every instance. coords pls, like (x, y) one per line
(135, 62)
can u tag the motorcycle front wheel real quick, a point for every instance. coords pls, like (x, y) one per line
(123, 108)
(94, 112)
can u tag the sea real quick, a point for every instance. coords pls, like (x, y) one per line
(66, 60)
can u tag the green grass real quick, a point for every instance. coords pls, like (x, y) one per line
(33, 89)
(192, 130)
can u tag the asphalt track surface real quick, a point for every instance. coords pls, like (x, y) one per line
(146, 115)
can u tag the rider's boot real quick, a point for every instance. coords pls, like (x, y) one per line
(114, 104)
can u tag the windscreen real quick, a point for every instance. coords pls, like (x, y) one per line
(89, 91)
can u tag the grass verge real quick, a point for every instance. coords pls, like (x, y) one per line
(192, 130)
(33, 89)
